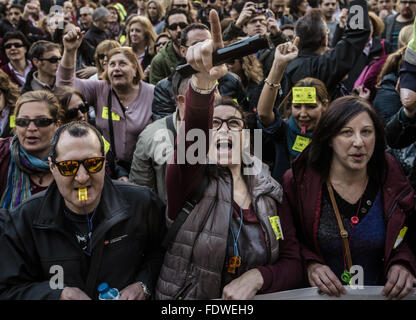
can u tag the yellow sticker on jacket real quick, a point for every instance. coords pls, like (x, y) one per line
(301, 143)
(400, 237)
(82, 194)
(304, 95)
(114, 116)
(106, 144)
(12, 121)
(277, 228)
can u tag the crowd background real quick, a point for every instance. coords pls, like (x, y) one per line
(112, 64)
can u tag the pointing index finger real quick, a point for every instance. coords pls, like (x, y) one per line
(216, 30)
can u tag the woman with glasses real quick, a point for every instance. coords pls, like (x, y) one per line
(9, 92)
(14, 47)
(141, 37)
(156, 13)
(234, 242)
(115, 25)
(24, 169)
(100, 57)
(122, 100)
(161, 40)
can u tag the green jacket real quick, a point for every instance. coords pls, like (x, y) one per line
(163, 63)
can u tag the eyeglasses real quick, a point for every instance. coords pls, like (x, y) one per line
(73, 112)
(53, 59)
(233, 124)
(39, 122)
(210, 1)
(101, 56)
(408, 2)
(157, 45)
(70, 168)
(15, 44)
(180, 6)
(175, 26)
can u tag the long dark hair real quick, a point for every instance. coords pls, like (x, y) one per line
(333, 119)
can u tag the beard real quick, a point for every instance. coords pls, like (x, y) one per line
(177, 40)
(407, 13)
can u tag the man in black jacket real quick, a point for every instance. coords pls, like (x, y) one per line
(83, 230)
(98, 30)
(328, 66)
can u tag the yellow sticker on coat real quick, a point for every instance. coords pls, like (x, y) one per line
(276, 226)
(301, 143)
(114, 116)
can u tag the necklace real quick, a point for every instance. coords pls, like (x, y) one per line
(235, 261)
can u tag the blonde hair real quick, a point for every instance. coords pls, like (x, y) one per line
(149, 32)
(129, 54)
(159, 7)
(103, 48)
(405, 35)
(41, 96)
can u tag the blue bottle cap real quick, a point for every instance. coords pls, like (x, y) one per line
(103, 287)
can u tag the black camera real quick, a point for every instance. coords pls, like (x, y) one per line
(234, 51)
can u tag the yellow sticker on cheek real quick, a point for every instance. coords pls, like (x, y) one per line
(82, 194)
(301, 143)
(12, 121)
(277, 228)
(304, 95)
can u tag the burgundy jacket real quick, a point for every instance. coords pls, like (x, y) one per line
(12, 76)
(302, 187)
(5, 158)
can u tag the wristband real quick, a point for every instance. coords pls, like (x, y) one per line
(202, 91)
(273, 85)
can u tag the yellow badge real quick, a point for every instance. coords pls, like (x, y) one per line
(106, 145)
(304, 95)
(82, 194)
(114, 116)
(301, 143)
(400, 237)
(12, 122)
(277, 228)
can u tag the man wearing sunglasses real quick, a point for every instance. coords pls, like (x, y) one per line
(168, 57)
(45, 57)
(93, 229)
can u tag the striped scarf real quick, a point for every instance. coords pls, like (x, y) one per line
(22, 166)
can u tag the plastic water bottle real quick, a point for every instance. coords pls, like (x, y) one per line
(107, 293)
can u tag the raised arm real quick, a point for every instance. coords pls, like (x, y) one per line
(182, 179)
(284, 53)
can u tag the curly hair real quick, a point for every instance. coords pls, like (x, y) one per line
(9, 89)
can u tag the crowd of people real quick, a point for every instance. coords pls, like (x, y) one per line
(118, 168)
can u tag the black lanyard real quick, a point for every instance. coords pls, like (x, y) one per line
(110, 119)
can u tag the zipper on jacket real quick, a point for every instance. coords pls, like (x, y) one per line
(184, 292)
(404, 194)
(268, 242)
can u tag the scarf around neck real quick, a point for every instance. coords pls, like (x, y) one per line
(22, 165)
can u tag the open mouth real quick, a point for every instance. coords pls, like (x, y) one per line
(224, 145)
(32, 139)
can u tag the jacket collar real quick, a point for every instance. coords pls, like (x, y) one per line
(113, 207)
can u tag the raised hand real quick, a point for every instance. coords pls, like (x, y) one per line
(249, 11)
(73, 39)
(199, 56)
(272, 25)
(286, 52)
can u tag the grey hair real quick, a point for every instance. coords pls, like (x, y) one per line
(100, 13)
